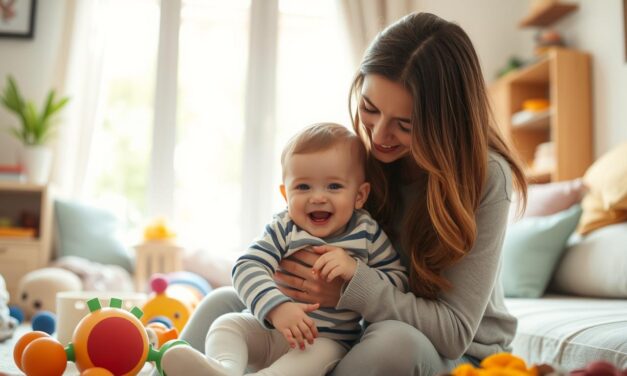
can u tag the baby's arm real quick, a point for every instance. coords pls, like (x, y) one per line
(253, 271)
(291, 320)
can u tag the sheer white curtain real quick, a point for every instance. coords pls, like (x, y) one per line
(79, 75)
(365, 19)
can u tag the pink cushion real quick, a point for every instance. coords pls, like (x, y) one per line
(551, 198)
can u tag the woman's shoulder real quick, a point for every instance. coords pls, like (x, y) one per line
(499, 180)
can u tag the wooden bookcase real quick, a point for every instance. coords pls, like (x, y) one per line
(563, 77)
(28, 207)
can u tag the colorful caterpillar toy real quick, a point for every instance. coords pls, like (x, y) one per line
(108, 341)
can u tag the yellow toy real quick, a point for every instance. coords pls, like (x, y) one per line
(174, 298)
(158, 230)
(501, 364)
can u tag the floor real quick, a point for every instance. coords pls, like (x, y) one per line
(8, 367)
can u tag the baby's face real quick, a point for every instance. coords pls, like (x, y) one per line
(323, 188)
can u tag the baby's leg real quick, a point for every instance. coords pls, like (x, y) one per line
(229, 341)
(316, 360)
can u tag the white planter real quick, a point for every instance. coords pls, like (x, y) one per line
(37, 163)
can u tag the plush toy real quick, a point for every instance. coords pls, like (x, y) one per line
(38, 289)
(108, 341)
(7, 323)
(174, 298)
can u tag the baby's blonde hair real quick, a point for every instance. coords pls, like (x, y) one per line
(322, 136)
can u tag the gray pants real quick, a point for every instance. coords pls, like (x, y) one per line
(386, 348)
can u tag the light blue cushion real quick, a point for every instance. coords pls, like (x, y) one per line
(90, 233)
(532, 249)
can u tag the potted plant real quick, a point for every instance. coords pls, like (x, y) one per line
(35, 129)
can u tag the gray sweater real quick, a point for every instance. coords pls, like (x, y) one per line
(471, 318)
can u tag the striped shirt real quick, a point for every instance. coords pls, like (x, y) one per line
(363, 239)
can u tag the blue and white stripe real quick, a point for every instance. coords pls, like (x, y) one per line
(363, 239)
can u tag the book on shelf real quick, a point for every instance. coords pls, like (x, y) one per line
(12, 173)
(17, 232)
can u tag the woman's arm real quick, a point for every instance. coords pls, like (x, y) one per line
(450, 322)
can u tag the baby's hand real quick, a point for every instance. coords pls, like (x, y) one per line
(291, 320)
(334, 262)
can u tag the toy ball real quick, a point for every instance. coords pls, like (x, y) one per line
(21, 344)
(17, 313)
(37, 290)
(44, 321)
(110, 338)
(97, 371)
(44, 356)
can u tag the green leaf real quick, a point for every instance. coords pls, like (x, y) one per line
(36, 127)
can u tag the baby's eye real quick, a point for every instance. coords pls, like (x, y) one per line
(302, 187)
(334, 186)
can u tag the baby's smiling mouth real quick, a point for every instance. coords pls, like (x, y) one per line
(319, 216)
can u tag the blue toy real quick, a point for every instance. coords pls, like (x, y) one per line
(44, 321)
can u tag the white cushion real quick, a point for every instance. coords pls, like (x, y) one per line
(596, 264)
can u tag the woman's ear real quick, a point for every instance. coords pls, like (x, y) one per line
(282, 188)
(362, 195)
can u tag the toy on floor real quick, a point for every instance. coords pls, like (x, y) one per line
(502, 364)
(159, 334)
(44, 321)
(7, 322)
(38, 289)
(174, 298)
(107, 339)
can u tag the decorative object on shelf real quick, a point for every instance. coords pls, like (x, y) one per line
(17, 18)
(544, 160)
(513, 64)
(158, 229)
(546, 39)
(12, 173)
(35, 130)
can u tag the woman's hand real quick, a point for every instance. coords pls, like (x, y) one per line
(304, 285)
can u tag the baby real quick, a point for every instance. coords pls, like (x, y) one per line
(325, 190)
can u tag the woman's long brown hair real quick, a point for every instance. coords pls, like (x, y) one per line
(452, 132)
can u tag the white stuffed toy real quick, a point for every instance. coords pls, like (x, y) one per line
(7, 323)
(37, 290)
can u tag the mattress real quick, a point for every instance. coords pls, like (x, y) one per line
(570, 331)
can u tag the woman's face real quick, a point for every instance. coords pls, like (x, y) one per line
(385, 110)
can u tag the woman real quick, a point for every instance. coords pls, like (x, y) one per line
(441, 181)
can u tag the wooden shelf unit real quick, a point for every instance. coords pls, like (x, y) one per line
(19, 256)
(547, 14)
(563, 77)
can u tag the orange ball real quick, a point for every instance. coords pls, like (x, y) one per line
(21, 344)
(44, 357)
(97, 371)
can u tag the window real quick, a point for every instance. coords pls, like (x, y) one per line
(224, 190)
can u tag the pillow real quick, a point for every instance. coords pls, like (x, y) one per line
(547, 199)
(531, 249)
(608, 177)
(595, 265)
(90, 233)
(594, 216)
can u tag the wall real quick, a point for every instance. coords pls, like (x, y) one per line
(490, 24)
(597, 27)
(33, 64)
